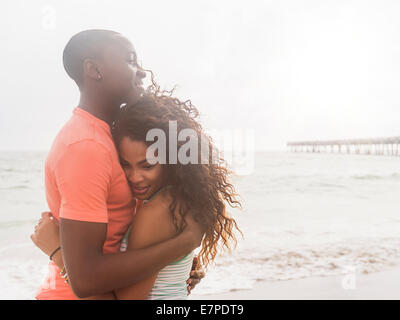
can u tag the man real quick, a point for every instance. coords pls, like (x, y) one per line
(86, 189)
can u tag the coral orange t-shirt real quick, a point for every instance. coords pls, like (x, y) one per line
(84, 181)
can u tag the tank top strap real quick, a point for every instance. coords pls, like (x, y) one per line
(155, 194)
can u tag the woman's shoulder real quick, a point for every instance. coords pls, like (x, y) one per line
(156, 215)
(159, 204)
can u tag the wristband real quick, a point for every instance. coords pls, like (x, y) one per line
(63, 274)
(54, 252)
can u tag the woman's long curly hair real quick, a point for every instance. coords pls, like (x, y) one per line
(201, 189)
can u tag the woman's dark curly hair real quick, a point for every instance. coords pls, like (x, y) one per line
(201, 189)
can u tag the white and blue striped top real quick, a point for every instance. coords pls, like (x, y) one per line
(171, 281)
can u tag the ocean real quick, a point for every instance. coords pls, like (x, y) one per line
(304, 215)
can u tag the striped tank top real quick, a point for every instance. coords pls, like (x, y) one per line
(170, 283)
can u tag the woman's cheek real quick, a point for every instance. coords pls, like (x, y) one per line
(155, 174)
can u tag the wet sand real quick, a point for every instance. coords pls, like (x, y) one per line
(379, 285)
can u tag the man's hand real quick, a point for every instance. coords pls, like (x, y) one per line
(196, 275)
(46, 235)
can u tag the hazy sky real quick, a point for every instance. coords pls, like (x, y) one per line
(290, 69)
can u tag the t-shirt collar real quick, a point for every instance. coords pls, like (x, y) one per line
(83, 113)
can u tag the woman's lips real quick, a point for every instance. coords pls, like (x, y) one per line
(140, 190)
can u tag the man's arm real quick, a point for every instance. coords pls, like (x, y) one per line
(46, 238)
(92, 273)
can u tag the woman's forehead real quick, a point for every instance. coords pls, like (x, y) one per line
(132, 147)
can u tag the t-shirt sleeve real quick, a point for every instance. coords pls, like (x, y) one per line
(83, 176)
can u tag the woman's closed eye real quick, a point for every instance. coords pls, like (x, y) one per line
(124, 164)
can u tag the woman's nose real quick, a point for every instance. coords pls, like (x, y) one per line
(135, 177)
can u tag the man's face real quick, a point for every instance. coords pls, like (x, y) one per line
(121, 75)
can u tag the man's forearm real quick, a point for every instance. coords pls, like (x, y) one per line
(104, 273)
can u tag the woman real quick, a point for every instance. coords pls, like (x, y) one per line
(169, 191)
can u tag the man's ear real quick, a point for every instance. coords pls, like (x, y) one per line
(90, 69)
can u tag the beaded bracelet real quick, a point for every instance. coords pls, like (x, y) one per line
(64, 275)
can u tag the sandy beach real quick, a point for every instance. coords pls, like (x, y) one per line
(384, 285)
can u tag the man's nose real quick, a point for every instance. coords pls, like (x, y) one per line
(141, 73)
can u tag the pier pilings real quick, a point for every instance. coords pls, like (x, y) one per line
(373, 146)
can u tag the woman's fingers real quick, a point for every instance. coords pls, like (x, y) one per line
(197, 274)
(46, 214)
(195, 278)
(34, 237)
(195, 263)
(191, 284)
(46, 217)
(55, 221)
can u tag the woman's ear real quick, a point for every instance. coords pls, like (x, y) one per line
(91, 70)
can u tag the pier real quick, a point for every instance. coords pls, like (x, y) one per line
(373, 146)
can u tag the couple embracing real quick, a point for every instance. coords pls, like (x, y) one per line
(122, 225)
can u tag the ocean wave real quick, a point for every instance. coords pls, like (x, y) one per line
(17, 187)
(20, 223)
(394, 176)
(365, 255)
(243, 269)
(328, 185)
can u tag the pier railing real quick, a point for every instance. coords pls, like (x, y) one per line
(375, 146)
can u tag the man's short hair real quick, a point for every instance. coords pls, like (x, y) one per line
(83, 45)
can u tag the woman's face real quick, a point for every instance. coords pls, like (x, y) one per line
(144, 179)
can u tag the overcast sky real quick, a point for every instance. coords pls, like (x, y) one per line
(290, 69)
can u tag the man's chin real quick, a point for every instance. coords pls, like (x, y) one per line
(133, 97)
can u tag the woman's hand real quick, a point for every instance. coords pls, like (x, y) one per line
(196, 234)
(46, 236)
